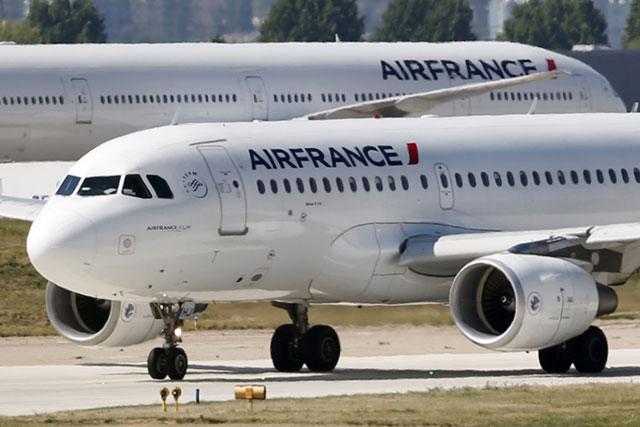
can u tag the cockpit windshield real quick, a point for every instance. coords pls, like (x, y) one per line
(68, 186)
(135, 187)
(99, 186)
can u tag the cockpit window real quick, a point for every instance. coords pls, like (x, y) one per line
(99, 186)
(135, 187)
(68, 186)
(160, 186)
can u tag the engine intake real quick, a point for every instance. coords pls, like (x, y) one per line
(516, 302)
(92, 322)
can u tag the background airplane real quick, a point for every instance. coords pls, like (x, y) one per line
(524, 240)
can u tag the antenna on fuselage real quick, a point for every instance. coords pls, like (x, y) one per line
(534, 104)
(634, 107)
(176, 115)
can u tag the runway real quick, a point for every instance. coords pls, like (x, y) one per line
(34, 389)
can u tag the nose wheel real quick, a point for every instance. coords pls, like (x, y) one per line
(295, 344)
(170, 360)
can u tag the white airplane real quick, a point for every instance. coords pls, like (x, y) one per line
(520, 223)
(59, 101)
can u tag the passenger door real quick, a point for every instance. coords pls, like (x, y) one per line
(233, 205)
(258, 94)
(83, 101)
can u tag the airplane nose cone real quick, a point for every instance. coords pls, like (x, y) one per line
(62, 245)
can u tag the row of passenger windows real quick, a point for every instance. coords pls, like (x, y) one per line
(352, 183)
(289, 98)
(530, 96)
(133, 186)
(32, 100)
(534, 177)
(168, 98)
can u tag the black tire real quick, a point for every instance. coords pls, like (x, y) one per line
(590, 351)
(321, 348)
(177, 363)
(285, 349)
(556, 359)
(157, 363)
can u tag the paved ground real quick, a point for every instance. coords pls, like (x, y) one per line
(47, 374)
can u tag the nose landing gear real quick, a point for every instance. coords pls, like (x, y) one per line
(293, 345)
(169, 359)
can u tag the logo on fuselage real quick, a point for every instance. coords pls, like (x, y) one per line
(468, 69)
(194, 185)
(333, 157)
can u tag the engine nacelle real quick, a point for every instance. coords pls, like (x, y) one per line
(512, 302)
(88, 321)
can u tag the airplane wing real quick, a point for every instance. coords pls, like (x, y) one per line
(399, 106)
(18, 208)
(616, 248)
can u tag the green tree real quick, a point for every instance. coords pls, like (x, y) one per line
(631, 35)
(21, 32)
(556, 24)
(66, 21)
(426, 20)
(312, 20)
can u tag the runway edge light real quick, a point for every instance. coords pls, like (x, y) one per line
(176, 392)
(250, 392)
(164, 392)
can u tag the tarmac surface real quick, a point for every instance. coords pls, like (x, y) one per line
(115, 377)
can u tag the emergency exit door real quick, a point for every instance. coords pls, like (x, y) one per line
(444, 185)
(83, 101)
(233, 204)
(258, 95)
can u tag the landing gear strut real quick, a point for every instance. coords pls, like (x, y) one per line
(588, 353)
(295, 344)
(169, 359)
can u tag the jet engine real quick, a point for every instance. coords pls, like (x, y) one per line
(512, 302)
(89, 322)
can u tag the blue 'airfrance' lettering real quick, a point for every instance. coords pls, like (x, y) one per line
(431, 69)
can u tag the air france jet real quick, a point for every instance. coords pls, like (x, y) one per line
(523, 224)
(57, 102)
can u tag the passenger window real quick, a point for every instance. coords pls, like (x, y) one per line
(339, 184)
(287, 185)
(485, 178)
(160, 186)
(548, 177)
(352, 184)
(574, 177)
(636, 174)
(300, 185)
(561, 178)
(392, 183)
(458, 179)
(365, 184)
(274, 186)
(405, 182)
(472, 179)
(312, 185)
(536, 177)
(99, 186)
(497, 178)
(443, 181)
(68, 186)
(261, 188)
(625, 175)
(612, 176)
(600, 176)
(510, 179)
(425, 183)
(523, 178)
(135, 187)
(587, 176)
(378, 183)
(327, 185)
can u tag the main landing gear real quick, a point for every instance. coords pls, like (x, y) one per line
(295, 344)
(588, 353)
(169, 359)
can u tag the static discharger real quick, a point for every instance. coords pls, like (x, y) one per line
(164, 393)
(250, 392)
(176, 393)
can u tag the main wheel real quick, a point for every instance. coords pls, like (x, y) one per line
(157, 363)
(285, 351)
(590, 350)
(321, 348)
(556, 359)
(177, 363)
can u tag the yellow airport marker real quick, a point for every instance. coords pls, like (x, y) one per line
(176, 392)
(164, 392)
(250, 392)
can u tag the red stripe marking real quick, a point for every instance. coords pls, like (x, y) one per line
(551, 64)
(413, 153)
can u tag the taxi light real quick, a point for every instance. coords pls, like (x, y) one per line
(178, 332)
